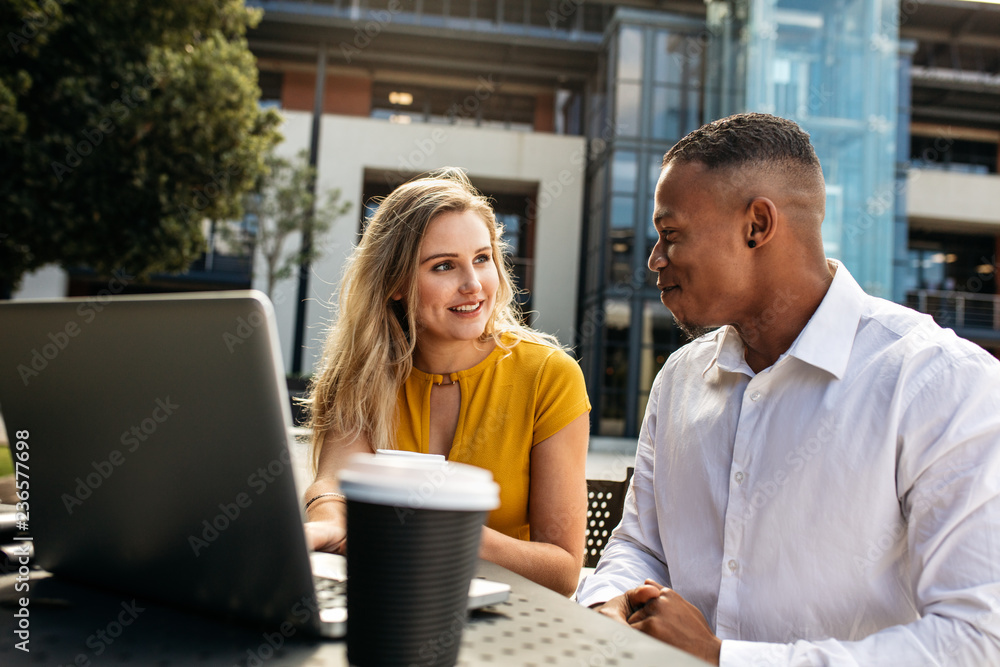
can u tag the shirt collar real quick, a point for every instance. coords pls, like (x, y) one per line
(828, 336)
(826, 340)
(728, 353)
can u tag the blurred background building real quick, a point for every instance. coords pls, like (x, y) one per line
(561, 110)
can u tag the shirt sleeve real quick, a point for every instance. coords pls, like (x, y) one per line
(634, 552)
(561, 395)
(948, 481)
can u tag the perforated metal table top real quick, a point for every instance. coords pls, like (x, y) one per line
(73, 625)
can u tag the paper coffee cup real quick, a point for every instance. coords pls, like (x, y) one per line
(413, 530)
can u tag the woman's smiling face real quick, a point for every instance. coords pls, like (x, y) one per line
(457, 279)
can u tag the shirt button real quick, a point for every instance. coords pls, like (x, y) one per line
(739, 477)
(755, 396)
(732, 565)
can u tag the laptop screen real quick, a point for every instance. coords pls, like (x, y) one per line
(159, 449)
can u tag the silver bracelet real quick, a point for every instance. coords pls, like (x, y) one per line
(324, 495)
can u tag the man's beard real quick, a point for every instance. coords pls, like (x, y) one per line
(692, 331)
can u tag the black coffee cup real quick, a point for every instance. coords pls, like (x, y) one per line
(413, 532)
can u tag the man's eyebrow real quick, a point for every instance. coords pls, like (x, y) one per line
(659, 214)
(451, 255)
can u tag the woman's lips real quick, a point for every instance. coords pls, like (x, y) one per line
(467, 308)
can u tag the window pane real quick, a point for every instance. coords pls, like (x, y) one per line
(612, 414)
(620, 257)
(630, 53)
(615, 368)
(617, 318)
(653, 169)
(615, 372)
(658, 329)
(617, 314)
(623, 211)
(678, 58)
(623, 172)
(627, 98)
(675, 112)
(666, 113)
(660, 338)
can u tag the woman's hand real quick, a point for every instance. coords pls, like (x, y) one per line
(326, 523)
(330, 536)
(326, 527)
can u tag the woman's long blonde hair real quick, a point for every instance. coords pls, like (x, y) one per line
(368, 352)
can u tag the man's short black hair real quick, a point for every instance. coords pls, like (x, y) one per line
(746, 139)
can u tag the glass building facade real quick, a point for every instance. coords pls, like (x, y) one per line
(832, 67)
(648, 93)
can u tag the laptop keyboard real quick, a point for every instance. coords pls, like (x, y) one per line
(330, 593)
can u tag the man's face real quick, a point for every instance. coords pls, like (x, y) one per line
(700, 238)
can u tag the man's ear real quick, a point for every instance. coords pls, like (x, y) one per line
(763, 218)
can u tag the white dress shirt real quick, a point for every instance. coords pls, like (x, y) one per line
(841, 507)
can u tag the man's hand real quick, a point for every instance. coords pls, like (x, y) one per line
(330, 536)
(623, 606)
(672, 619)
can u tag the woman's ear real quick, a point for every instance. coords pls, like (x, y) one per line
(398, 296)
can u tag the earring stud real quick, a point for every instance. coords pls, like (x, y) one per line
(751, 243)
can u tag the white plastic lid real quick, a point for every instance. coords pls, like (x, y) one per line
(419, 483)
(415, 455)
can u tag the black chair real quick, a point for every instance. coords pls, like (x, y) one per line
(605, 503)
(298, 388)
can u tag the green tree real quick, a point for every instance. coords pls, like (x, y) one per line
(123, 125)
(282, 205)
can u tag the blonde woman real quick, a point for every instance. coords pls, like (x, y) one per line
(427, 354)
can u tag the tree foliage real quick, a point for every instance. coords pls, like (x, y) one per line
(123, 125)
(282, 206)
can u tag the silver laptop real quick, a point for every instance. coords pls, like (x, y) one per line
(160, 459)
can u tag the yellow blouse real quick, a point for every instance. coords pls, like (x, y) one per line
(509, 403)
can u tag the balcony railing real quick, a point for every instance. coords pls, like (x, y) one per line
(560, 19)
(959, 310)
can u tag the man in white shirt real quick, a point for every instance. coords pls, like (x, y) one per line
(817, 482)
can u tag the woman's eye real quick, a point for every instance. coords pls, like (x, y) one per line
(443, 266)
(482, 259)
